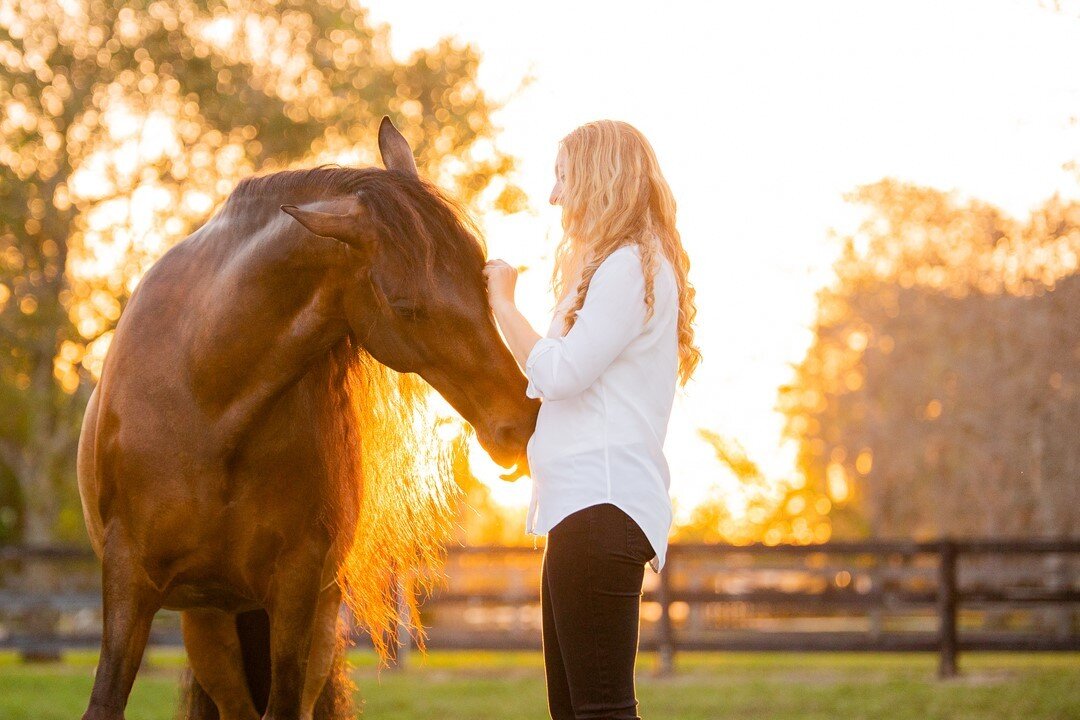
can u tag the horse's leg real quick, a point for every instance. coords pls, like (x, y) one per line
(129, 602)
(323, 648)
(213, 649)
(294, 601)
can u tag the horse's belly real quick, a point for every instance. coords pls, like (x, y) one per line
(219, 596)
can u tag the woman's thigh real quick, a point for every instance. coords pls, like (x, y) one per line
(596, 564)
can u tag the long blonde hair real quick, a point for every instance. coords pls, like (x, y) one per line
(613, 195)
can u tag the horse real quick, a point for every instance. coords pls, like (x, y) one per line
(246, 457)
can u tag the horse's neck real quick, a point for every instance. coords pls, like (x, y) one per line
(274, 310)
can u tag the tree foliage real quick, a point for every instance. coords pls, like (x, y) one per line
(769, 510)
(125, 122)
(941, 395)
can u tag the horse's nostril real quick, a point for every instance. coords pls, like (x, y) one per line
(510, 436)
(504, 435)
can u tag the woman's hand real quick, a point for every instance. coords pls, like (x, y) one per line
(516, 330)
(501, 279)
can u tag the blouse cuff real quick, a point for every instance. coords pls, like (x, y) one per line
(542, 346)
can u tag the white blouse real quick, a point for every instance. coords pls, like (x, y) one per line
(607, 388)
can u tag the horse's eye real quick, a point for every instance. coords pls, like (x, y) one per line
(407, 309)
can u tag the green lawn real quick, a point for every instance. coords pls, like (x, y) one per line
(509, 686)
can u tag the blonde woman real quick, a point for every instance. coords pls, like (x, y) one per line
(620, 340)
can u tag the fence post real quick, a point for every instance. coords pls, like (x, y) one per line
(947, 602)
(666, 634)
(40, 579)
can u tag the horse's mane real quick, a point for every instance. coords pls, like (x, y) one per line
(402, 207)
(407, 506)
(383, 441)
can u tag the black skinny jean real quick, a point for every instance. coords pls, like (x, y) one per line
(594, 564)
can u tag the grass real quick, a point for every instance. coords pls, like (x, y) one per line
(707, 686)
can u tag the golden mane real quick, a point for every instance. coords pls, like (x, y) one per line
(403, 474)
(378, 437)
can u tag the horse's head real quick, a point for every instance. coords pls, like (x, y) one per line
(415, 296)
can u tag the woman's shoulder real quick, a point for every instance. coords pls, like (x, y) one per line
(622, 258)
(625, 262)
(622, 267)
(623, 254)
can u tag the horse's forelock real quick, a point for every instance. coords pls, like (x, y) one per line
(423, 227)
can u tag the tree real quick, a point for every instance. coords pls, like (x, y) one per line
(940, 395)
(783, 510)
(125, 122)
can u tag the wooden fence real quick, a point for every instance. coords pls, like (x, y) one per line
(879, 579)
(944, 596)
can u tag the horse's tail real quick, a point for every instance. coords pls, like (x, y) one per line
(335, 702)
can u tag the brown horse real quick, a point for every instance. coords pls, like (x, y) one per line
(245, 458)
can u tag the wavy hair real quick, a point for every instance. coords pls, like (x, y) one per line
(613, 195)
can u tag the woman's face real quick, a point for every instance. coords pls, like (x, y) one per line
(560, 177)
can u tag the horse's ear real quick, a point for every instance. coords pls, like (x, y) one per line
(352, 227)
(394, 149)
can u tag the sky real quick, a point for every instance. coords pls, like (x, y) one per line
(763, 115)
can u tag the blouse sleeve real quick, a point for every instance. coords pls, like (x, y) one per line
(612, 315)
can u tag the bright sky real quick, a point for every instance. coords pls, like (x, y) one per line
(763, 115)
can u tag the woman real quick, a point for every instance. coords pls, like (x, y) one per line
(606, 373)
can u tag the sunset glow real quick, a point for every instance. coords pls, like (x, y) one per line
(252, 375)
(763, 116)
(759, 149)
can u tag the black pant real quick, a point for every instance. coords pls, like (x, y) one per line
(594, 563)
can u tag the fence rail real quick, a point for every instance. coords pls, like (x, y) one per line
(945, 596)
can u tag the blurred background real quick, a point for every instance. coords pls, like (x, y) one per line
(881, 202)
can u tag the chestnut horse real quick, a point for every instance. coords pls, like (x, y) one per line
(223, 461)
